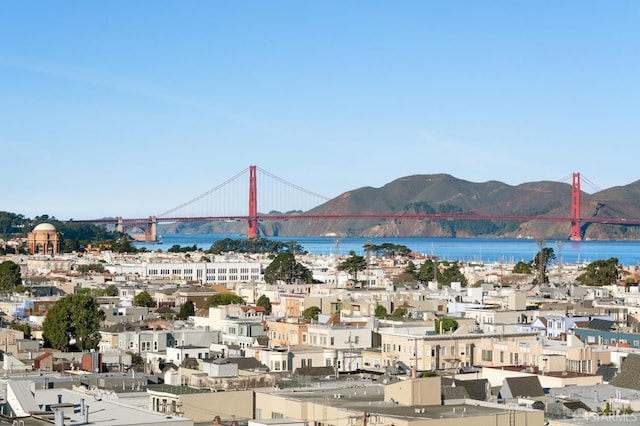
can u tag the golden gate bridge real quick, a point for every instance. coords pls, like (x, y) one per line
(179, 214)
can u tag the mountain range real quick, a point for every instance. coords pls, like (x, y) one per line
(443, 193)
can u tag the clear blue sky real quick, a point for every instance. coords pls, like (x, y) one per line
(133, 107)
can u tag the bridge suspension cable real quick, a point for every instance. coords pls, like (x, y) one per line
(201, 196)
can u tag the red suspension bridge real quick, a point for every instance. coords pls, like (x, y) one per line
(230, 190)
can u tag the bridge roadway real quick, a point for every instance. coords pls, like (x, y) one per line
(149, 224)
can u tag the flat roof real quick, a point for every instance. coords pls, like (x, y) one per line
(104, 409)
(369, 398)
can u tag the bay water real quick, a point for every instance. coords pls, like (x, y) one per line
(486, 250)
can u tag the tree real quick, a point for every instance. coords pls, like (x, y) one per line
(428, 271)
(380, 312)
(399, 313)
(75, 317)
(223, 299)
(21, 326)
(411, 269)
(446, 324)
(311, 313)
(600, 272)
(110, 291)
(405, 278)
(451, 274)
(95, 267)
(187, 310)
(144, 299)
(10, 276)
(353, 264)
(444, 273)
(285, 268)
(265, 303)
(541, 262)
(522, 268)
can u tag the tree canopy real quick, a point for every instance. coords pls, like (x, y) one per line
(522, 268)
(265, 302)
(144, 299)
(187, 310)
(444, 273)
(380, 312)
(254, 245)
(10, 276)
(600, 272)
(284, 267)
(223, 299)
(443, 325)
(540, 264)
(387, 249)
(75, 317)
(353, 264)
(311, 313)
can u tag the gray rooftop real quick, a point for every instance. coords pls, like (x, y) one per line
(104, 409)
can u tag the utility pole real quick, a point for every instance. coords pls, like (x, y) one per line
(337, 255)
(367, 246)
(350, 342)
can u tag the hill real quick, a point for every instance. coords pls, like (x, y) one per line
(442, 193)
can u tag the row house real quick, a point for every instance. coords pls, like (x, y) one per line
(178, 354)
(542, 355)
(198, 296)
(243, 333)
(140, 340)
(238, 325)
(340, 333)
(292, 305)
(287, 332)
(439, 351)
(554, 326)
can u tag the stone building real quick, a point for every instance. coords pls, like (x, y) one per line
(43, 239)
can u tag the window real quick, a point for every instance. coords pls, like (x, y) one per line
(332, 341)
(357, 339)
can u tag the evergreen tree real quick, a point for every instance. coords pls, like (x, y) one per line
(10, 276)
(600, 272)
(265, 303)
(187, 310)
(353, 264)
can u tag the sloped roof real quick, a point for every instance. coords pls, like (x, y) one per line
(524, 386)
(628, 377)
(248, 364)
(121, 327)
(315, 371)
(600, 324)
(474, 389)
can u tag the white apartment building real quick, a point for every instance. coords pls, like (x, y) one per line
(221, 270)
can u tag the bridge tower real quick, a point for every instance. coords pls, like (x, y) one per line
(252, 231)
(151, 232)
(576, 222)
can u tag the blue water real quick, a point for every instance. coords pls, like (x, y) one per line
(468, 250)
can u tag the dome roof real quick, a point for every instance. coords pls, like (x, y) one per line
(45, 227)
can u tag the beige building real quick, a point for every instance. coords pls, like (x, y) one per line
(412, 402)
(440, 351)
(288, 332)
(43, 239)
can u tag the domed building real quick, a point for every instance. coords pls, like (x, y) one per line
(43, 239)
